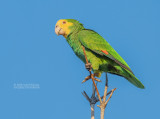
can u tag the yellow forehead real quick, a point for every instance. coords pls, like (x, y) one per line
(65, 26)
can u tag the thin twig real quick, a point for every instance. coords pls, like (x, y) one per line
(85, 54)
(110, 95)
(96, 89)
(107, 94)
(105, 90)
(92, 77)
(86, 96)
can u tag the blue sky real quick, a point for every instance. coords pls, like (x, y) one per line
(31, 53)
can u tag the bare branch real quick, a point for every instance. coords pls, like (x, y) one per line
(93, 90)
(107, 94)
(92, 111)
(105, 90)
(110, 95)
(86, 96)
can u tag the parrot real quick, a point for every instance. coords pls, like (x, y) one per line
(100, 54)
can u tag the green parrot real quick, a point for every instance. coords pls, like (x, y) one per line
(98, 51)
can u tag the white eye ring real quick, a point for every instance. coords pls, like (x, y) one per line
(64, 22)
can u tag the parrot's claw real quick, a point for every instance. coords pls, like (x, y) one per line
(89, 77)
(88, 66)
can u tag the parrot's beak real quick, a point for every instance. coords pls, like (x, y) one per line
(59, 31)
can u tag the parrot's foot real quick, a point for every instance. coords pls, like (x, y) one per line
(88, 66)
(89, 77)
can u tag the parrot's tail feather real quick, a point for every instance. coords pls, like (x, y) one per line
(131, 78)
(135, 81)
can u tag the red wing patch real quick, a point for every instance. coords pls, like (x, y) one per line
(118, 62)
(105, 52)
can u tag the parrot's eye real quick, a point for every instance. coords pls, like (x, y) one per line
(64, 22)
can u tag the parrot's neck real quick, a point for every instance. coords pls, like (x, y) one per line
(75, 44)
(74, 31)
(72, 38)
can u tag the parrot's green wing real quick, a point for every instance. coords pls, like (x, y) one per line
(96, 43)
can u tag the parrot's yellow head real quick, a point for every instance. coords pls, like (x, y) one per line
(66, 26)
